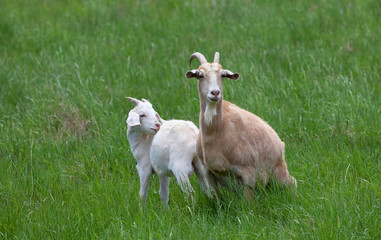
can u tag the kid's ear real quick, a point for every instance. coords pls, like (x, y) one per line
(133, 119)
(158, 117)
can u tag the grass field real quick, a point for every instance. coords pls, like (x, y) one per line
(311, 69)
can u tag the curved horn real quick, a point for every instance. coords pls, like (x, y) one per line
(199, 57)
(216, 57)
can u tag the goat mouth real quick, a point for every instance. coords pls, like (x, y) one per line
(215, 99)
(155, 130)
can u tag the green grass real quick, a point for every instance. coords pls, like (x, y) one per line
(311, 69)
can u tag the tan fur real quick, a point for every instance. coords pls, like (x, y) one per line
(238, 143)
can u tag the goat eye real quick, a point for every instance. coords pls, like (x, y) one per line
(142, 115)
(200, 75)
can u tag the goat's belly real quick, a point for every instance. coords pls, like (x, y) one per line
(161, 168)
(218, 165)
(162, 171)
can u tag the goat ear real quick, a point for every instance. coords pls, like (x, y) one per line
(192, 73)
(133, 100)
(229, 74)
(158, 117)
(133, 119)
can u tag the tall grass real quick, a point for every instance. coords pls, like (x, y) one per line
(309, 68)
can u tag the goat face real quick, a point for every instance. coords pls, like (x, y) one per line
(210, 82)
(210, 77)
(144, 116)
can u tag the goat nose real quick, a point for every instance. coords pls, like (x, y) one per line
(215, 92)
(157, 125)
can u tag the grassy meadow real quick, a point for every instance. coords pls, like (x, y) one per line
(311, 69)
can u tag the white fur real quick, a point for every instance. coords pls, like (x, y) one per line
(171, 151)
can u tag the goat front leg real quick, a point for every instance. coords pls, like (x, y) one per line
(201, 174)
(145, 173)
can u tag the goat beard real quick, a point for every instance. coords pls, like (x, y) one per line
(210, 112)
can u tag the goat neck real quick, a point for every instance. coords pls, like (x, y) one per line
(138, 140)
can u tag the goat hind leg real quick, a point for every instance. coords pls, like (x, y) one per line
(282, 175)
(164, 189)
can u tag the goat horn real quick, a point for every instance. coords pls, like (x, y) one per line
(199, 57)
(133, 100)
(216, 57)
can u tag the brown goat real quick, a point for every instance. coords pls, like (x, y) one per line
(233, 141)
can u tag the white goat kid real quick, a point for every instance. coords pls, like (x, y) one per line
(232, 141)
(170, 151)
